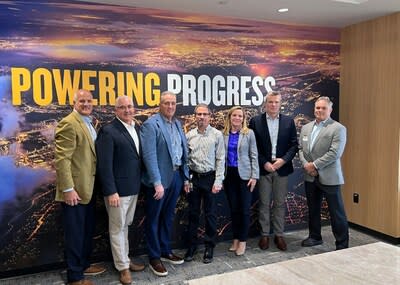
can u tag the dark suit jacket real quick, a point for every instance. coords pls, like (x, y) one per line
(286, 147)
(119, 165)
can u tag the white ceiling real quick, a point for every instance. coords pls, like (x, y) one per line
(323, 13)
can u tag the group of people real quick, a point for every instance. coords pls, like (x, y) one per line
(123, 158)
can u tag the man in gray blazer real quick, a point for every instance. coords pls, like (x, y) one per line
(164, 149)
(322, 145)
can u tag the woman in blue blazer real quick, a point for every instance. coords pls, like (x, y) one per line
(242, 172)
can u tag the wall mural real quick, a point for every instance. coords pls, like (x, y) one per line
(48, 50)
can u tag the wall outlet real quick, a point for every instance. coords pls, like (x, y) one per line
(356, 197)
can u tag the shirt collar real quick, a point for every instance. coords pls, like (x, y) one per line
(322, 123)
(166, 120)
(205, 131)
(270, 118)
(86, 119)
(125, 124)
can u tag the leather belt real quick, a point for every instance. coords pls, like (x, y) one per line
(198, 175)
(176, 167)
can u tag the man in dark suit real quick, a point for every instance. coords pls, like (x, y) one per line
(75, 162)
(277, 145)
(164, 156)
(118, 172)
(322, 145)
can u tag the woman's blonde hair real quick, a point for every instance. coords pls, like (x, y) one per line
(228, 125)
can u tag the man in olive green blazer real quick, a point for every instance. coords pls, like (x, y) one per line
(75, 161)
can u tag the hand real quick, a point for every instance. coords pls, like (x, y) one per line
(113, 200)
(186, 188)
(71, 198)
(279, 162)
(268, 166)
(159, 192)
(310, 169)
(216, 188)
(251, 184)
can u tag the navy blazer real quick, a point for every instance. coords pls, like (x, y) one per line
(157, 152)
(287, 145)
(119, 165)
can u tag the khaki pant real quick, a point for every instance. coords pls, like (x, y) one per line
(119, 219)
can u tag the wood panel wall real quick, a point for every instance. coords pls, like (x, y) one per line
(370, 109)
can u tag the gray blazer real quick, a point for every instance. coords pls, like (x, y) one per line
(247, 155)
(326, 151)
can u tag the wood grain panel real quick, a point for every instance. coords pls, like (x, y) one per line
(370, 109)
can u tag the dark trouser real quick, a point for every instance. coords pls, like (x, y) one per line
(239, 197)
(314, 192)
(202, 186)
(160, 216)
(79, 226)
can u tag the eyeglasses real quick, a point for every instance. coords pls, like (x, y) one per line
(202, 114)
(129, 107)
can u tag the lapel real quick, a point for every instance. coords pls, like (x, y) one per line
(239, 141)
(280, 130)
(321, 133)
(137, 128)
(309, 132)
(165, 133)
(264, 128)
(84, 128)
(226, 140)
(119, 126)
(183, 139)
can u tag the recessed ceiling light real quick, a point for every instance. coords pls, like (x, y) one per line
(355, 2)
(283, 10)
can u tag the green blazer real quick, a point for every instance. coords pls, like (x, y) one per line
(75, 158)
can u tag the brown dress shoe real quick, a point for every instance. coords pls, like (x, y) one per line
(125, 277)
(280, 243)
(264, 243)
(157, 267)
(136, 267)
(81, 282)
(172, 258)
(94, 269)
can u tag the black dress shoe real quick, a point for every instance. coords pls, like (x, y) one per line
(208, 255)
(190, 253)
(311, 242)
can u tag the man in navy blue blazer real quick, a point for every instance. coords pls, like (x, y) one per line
(164, 156)
(277, 145)
(119, 167)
